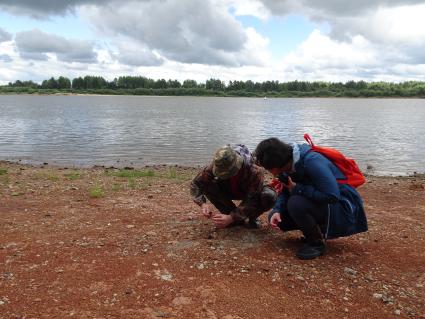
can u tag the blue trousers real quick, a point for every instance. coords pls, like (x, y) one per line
(305, 215)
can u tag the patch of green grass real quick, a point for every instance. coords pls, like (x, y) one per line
(172, 173)
(52, 177)
(132, 183)
(116, 187)
(46, 175)
(72, 176)
(146, 184)
(96, 191)
(5, 179)
(133, 173)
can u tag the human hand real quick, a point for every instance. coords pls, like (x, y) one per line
(290, 185)
(222, 220)
(275, 220)
(206, 210)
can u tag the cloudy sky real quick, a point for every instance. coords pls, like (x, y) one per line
(284, 40)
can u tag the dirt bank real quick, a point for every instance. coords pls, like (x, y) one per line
(104, 243)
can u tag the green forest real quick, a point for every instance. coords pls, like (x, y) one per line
(140, 85)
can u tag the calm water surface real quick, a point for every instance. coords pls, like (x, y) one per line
(385, 134)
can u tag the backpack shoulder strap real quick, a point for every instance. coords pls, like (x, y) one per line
(309, 140)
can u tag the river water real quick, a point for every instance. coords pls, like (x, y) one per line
(385, 136)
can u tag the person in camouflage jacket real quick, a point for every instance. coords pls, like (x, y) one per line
(232, 175)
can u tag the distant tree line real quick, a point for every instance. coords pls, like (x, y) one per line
(140, 85)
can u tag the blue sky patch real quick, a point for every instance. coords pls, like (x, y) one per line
(68, 26)
(284, 33)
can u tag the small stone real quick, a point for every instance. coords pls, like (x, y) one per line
(200, 266)
(164, 275)
(7, 275)
(350, 271)
(369, 277)
(377, 296)
(181, 301)
(387, 300)
(397, 312)
(167, 277)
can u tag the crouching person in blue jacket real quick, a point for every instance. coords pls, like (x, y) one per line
(312, 200)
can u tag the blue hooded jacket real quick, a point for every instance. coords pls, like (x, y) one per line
(316, 179)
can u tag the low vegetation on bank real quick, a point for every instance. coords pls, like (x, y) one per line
(107, 183)
(139, 85)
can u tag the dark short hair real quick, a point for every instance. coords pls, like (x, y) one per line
(273, 153)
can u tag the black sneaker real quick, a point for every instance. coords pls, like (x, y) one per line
(311, 250)
(254, 223)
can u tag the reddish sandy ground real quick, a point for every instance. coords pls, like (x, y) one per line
(141, 250)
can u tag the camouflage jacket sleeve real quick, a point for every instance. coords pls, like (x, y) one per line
(198, 184)
(254, 180)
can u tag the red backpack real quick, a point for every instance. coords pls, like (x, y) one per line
(346, 165)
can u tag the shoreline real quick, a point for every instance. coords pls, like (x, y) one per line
(159, 166)
(221, 96)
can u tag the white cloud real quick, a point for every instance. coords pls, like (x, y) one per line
(36, 45)
(332, 8)
(321, 58)
(400, 25)
(320, 51)
(195, 39)
(395, 21)
(134, 54)
(194, 31)
(42, 9)
(4, 36)
(368, 39)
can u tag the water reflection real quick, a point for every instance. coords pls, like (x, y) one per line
(386, 134)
